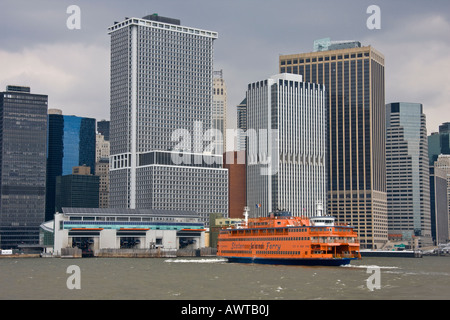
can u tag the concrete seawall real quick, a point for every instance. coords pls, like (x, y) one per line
(20, 255)
(135, 253)
(393, 254)
(140, 253)
(75, 253)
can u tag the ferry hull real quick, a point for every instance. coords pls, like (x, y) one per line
(298, 262)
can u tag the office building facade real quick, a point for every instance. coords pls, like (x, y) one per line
(234, 161)
(356, 167)
(77, 190)
(161, 85)
(23, 146)
(101, 147)
(71, 143)
(103, 129)
(439, 205)
(439, 143)
(286, 152)
(219, 111)
(102, 169)
(441, 196)
(241, 122)
(407, 173)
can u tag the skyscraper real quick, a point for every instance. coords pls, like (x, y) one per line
(407, 173)
(102, 169)
(440, 198)
(286, 153)
(356, 168)
(80, 189)
(236, 183)
(161, 87)
(71, 143)
(445, 127)
(439, 143)
(103, 129)
(241, 121)
(23, 146)
(219, 110)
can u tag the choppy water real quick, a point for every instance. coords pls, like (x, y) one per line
(215, 279)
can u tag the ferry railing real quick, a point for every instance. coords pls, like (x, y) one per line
(340, 241)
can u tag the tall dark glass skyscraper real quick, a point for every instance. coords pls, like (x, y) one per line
(71, 143)
(103, 128)
(439, 143)
(356, 166)
(77, 190)
(23, 145)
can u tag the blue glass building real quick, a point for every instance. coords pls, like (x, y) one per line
(71, 143)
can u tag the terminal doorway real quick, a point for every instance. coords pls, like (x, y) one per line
(86, 244)
(188, 239)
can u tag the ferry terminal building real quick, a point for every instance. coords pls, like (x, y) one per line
(111, 228)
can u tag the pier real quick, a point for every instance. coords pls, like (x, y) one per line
(392, 253)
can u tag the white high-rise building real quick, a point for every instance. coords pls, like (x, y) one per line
(286, 164)
(161, 83)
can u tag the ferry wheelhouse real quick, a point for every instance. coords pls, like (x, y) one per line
(284, 239)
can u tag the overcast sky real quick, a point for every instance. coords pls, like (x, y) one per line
(72, 66)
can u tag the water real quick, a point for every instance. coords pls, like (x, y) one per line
(212, 278)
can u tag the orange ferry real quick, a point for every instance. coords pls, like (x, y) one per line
(284, 239)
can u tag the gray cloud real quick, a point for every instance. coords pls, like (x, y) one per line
(72, 66)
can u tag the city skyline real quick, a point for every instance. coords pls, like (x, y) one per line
(341, 157)
(71, 66)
